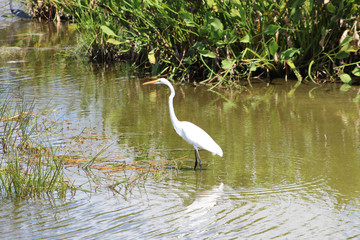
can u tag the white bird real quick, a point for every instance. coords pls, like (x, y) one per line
(189, 131)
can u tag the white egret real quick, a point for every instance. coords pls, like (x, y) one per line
(189, 131)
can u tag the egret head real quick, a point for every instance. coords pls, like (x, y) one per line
(157, 81)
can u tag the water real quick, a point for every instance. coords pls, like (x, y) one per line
(291, 165)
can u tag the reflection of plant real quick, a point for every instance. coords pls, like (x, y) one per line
(129, 176)
(219, 40)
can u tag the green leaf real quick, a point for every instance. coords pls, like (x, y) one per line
(341, 55)
(151, 56)
(227, 64)
(271, 29)
(234, 13)
(210, 2)
(199, 46)
(356, 71)
(187, 17)
(188, 60)
(108, 31)
(293, 68)
(216, 23)
(346, 40)
(331, 8)
(253, 67)
(114, 41)
(345, 78)
(207, 53)
(245, 39)
(289, 53)
(296, 15)
(155, 69)
(273, 47)
(189, 23)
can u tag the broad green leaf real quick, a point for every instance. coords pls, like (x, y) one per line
(155, 69)
(227, 64)
(210, 2)
(189, 23)
(345, 78)
(207, 53)
(242, 13)
(114, 41)
(271, 29)
(188, 60)
(185, 15)
(234, 13)
(273, 47)
(221, 43)
(253, 67)
(199, 46)
(341, 55)
(289, 53)
(245, 39)
(296, 15)
(356, 71)
(187, 18)
(108, 31)
(151, 56)
(331, 8)
(346, 40)
(216, 23)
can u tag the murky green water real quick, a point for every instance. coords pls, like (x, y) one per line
(291, 165)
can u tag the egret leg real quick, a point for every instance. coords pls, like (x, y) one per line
(197, 156)
(195, 160)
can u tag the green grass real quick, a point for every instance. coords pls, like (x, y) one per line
(29, 165)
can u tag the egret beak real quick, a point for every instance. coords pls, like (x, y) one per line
(151, 82)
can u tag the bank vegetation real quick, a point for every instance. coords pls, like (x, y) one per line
(219, 41)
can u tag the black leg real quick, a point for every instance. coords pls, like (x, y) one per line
(195, 159)
(197, 156)
(199, 160)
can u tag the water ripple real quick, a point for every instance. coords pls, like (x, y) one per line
(292, 211)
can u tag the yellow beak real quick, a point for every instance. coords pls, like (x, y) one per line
(151, 82)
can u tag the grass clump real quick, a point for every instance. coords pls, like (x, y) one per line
(222, 41)
(29, 166)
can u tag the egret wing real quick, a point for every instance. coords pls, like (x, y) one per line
(198, 138)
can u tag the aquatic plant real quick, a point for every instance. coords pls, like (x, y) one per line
(32, 167)
(29, 165)
(221, 40)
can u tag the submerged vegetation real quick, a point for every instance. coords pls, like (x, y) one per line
(220, 41)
